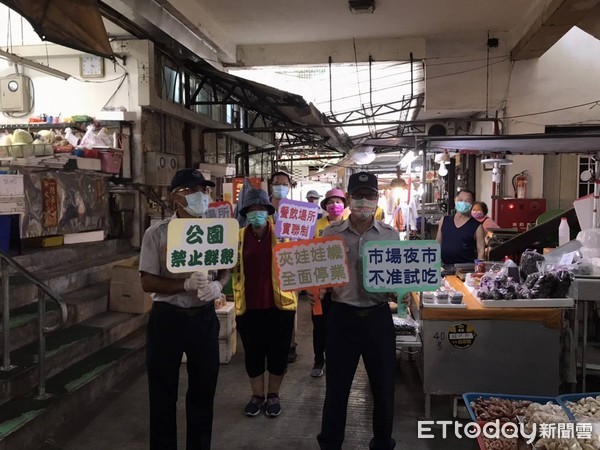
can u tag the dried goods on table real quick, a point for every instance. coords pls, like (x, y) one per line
(586, 408)
(502, 409)
(568, 444)
(500, 443)
(531, 262)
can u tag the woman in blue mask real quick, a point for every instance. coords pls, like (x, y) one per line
(461, 237)
(280, 183)
(265, 313)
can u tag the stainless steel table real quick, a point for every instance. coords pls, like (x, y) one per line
(584, 290)
(476, 349)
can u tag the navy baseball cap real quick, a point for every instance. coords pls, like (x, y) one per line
(189, 178)
(362, 180)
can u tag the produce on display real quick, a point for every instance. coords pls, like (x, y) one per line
(501, 443)
(586, 409)
(21, 137)
(548, 283)
(502, 409)
(569, 443)
(536, 417)
(553, 414)
(531, 262)
(536, 413)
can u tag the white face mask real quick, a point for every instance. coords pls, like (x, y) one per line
(197, 203)
(280, 191)
(363, 207)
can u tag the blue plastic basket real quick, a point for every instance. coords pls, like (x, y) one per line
(563, 399)
(472, 396)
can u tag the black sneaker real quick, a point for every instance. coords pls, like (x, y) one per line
(254, 406)
(318, 370)
(292, 355)
(273, 408)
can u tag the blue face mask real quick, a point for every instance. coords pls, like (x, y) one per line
(280, 191)
(257, 218)
(197, 203)
(463, 207)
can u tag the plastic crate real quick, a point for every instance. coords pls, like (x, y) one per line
(111, 160)
(563, 399)
(472, 396)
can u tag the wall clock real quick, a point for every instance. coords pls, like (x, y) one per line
(91, 66)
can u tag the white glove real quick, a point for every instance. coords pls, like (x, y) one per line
(196, 281)
(210, 292)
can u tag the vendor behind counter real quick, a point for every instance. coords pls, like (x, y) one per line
(461, 237)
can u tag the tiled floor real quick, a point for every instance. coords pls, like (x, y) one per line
(121, 421)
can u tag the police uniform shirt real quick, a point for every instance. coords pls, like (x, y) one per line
(354, 292)
(153, 260)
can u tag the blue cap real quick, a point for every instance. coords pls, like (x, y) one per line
(189, 178)
(256, 197)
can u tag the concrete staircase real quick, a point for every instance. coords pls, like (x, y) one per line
(85, 358)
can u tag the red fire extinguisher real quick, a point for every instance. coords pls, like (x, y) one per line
(520, 184)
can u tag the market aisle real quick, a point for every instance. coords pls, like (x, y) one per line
(122, 421)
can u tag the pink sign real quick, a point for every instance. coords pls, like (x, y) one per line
(296, 220)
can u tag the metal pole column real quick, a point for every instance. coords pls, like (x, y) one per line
(584, 346)
(5, 315)
(42, 346)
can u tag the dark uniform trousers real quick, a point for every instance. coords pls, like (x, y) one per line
(171, 332)
(352, 332)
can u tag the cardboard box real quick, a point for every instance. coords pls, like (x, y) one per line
(83, 164)
(115, 115)
(126, 294)
(226, 316)
(43, 241)
(84, 236)
(227, 348)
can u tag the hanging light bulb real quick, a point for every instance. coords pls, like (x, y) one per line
(442, 171)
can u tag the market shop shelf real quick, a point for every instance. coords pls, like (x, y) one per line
(565, 302)
(468, 397)
(563, 399)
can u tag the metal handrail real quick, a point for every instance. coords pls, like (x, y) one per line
(5, 261)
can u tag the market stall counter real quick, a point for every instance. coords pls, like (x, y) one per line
(473, 348)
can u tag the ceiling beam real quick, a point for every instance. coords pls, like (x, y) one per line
(591, 23)
(164, 24)
(384, 49)
(557, 18)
